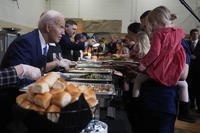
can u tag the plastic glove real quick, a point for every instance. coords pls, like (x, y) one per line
(30, 72)
(64, 63)
(91, 42)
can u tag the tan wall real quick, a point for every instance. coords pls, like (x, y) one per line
(112, 26)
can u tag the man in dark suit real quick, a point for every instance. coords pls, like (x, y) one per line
(31, 48)
(67, 44)
(194, 71)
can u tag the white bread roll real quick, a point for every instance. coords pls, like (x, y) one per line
(50, 78)
(26, 104)
(61, 99)
(30, 94)
(53, 108)
(63, 81)
(36, 108)
(92, 102)
(55, 90)
(59, 85)
(40, 86)
(89, 93)
(74, 91)
(21, 98)
(83, 88)
(43, 100)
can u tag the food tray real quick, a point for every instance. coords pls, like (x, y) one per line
(72, 75)
(88, 65)
(90, 62)
(127, 61)
(100, 89)
(121, 63)
(90, 70)
(93, 77)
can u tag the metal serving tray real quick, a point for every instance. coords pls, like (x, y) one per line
(100, 88)
(88, 65)
(92, 77)
(72, 75)
(90, 70)
(90, 62)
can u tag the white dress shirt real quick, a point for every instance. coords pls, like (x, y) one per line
(42, 42)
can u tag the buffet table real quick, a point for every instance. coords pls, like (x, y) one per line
(103, 79)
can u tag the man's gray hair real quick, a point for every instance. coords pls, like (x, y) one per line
(48, 17)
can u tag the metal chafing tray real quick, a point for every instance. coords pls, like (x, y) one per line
(88, 77)
(85, 65)
(100, 88)
(104, 96)
(90, 70)
(90, 62)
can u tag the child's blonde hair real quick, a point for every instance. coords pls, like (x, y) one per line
(142, 45)
(159, 17)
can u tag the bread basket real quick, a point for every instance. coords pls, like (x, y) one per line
(72, 118)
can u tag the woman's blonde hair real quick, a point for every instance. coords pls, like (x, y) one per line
(159, 17)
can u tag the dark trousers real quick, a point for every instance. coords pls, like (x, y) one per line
(154, 111)
(6, 102)
(156, 122)
(7, 99)
(193, 83)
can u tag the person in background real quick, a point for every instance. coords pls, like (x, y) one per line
(119, 48)
(194, 71)
(78, 38)
(184, 111)
(67, 44)
(141, 47)
(165, 60)
(143, 20)
(32, 48)
(54, 52)
(130, 40)
(102, 46)
(139, 50)
(111, 46)
(54, 56)
(9, 78)
(130, 106)
(128, 43)
(133, 29)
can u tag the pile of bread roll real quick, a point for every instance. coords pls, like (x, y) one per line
(50, 93)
